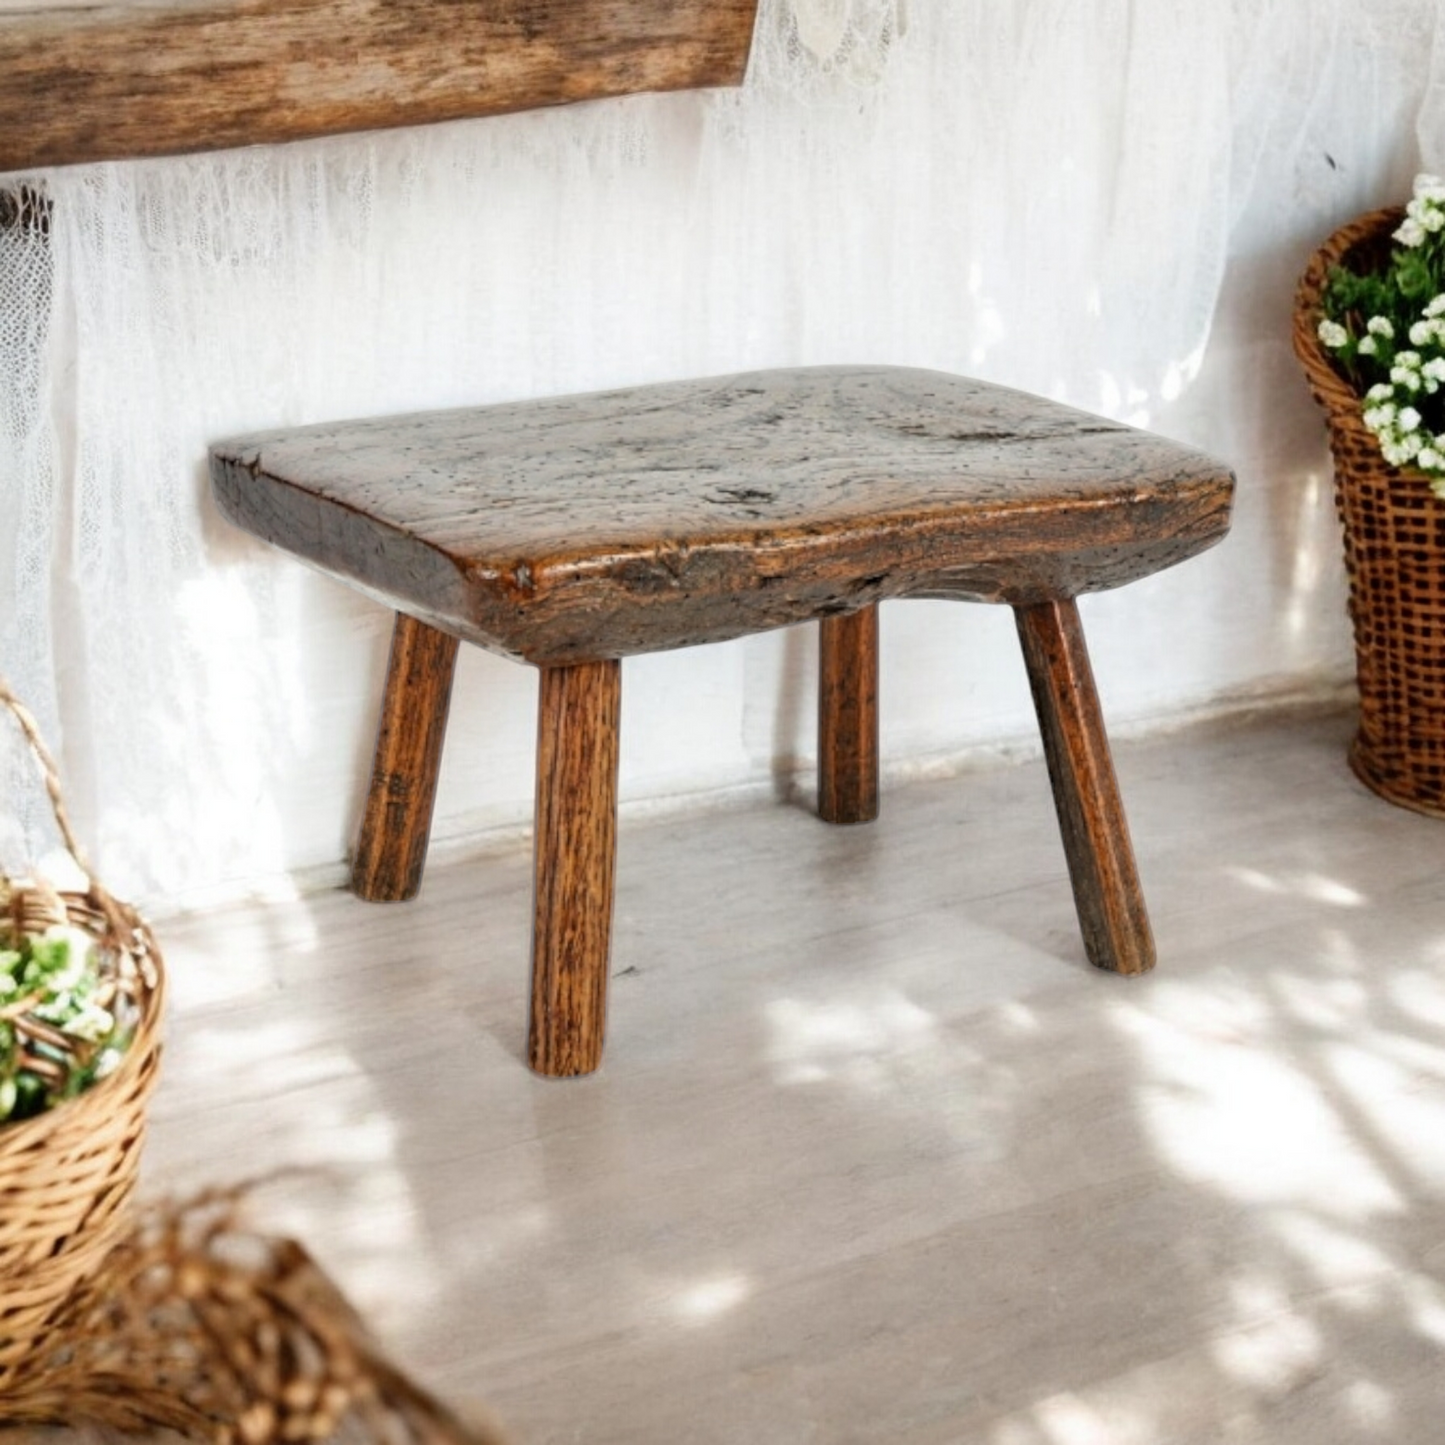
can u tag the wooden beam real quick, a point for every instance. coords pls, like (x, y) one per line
(87, 82)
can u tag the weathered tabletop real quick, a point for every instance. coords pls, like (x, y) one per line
(577, 528)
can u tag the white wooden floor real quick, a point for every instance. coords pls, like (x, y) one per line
(875, 1155)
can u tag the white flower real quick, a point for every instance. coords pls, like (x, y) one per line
(78, 959)
(1333, 334)
(1408, 358)
(1381, 391)
(1420, 333)
(1429, 187)
(1381, 417)
(92, 1023)
(1380, 326)
(1409, 419)
(1425, 212)
(1399, 450)
(1368, 346)
(1429, 459)
(107, 1062)
(1405, 376)
(1411, 232)
(1437, 306)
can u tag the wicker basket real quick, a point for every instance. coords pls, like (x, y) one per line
(1394, 554)
(67, 1174)
(199, 1326)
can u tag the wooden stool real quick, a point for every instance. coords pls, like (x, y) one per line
(575, 531)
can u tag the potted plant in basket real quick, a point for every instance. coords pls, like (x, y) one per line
(64, 1020)
(81, 988)
(1370, 333)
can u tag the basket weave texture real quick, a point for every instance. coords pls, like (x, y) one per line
(1394, 554)
(67, 1174)
(200, 1326)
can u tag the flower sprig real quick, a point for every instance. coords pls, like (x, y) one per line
(60, 1025)
(1386, 330)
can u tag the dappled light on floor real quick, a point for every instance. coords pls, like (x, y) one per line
(874, 1156)
(1307, 885)
(813, 1042)
(293, 1112)
(1068, 1420)
(711, 1297)
(1225, 1109)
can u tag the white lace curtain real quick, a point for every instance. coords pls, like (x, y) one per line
(1045, 192)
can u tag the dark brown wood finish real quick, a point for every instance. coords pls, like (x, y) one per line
(1110, 902)
(573, 531)
(579, 710)
(575, 528)
(87, 82)
(848, 717)
(391, 848)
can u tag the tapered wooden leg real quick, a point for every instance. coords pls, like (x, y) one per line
(391, 850)
(1086, 793)
(576, 843)
(848, 717)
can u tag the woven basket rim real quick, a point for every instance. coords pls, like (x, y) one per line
(1331, 390)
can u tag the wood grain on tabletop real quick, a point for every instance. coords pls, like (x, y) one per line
(576, 528)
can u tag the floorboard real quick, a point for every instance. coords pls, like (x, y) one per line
(874, 1154)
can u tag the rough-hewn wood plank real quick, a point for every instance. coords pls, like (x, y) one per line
(574, 854)
(391, 848)
(84, 82)
(576, 528)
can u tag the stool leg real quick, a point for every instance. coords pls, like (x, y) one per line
(1086, 792)
(574, 850)
(848, 717)
(391, 849)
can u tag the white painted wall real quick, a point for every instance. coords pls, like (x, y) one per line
(1071, 197)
